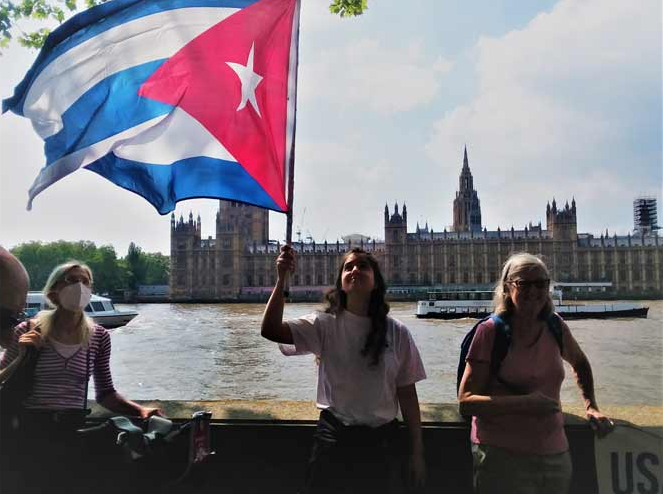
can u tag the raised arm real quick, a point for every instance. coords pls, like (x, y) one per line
(273, 328)
(574, 355)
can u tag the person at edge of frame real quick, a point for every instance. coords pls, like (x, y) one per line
(14, 283)
(368, 365)
(517, 434)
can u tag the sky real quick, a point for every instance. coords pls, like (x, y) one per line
(553, 99)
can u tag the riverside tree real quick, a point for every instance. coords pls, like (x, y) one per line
(110, 272)
(42, 15)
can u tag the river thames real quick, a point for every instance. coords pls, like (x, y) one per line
(210, 352)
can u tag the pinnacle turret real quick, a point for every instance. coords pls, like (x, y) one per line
(467, 209)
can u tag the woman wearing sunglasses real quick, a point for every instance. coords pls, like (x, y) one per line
(71, 349)
(518, 439)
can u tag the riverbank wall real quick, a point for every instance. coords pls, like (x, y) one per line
(262, 446)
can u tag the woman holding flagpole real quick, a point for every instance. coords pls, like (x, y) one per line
(368, 367)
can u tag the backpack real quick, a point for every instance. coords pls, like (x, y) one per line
(501, 344)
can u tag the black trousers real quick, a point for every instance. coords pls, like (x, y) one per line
(43, 454)
(353, 459)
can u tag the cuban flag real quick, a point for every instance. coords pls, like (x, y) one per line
(170, 99)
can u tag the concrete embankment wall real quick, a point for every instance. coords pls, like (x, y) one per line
(262, 446)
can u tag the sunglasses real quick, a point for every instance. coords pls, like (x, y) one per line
(72, 279)
(10, 318)
(525, 284)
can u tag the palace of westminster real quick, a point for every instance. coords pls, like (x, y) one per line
(239, 264)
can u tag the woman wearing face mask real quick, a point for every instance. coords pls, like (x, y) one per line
(72, 348)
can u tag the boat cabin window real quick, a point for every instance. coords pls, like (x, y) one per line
(88, 308)
(97, 306)
(466, 295)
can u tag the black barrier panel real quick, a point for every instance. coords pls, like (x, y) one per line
(270, 457)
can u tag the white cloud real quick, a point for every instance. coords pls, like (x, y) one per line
(368, 73)
(331, 184)
(569, 105)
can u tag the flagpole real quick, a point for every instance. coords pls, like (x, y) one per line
(291, 164)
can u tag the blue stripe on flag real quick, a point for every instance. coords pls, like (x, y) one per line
(190, 178)
(95, 21)
(108, 108)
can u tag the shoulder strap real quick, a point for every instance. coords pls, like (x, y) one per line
(87, 372)
(501, 343)
(34, 351)
(464, 350)
(554, 324)
(501, 346)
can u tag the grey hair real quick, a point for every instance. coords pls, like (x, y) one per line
(515, 264)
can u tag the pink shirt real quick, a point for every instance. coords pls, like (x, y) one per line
(538, 367)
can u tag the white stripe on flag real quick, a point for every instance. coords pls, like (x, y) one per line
(159, 141)
(177, 137)
(69, 76)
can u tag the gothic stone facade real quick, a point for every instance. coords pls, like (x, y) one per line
(467, 208)
(239, 263)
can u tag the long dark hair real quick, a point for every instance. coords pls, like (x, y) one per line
(378, 308)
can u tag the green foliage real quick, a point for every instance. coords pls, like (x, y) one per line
(49, 12)
(348, 8)
(157, 269)
(110, 272)
(40, 258)
(53, 12)
(43, 11)
(136, 265)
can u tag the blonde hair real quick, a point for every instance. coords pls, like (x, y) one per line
(515, 264)
(46, 318)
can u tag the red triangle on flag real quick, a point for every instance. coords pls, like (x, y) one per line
(202, 78)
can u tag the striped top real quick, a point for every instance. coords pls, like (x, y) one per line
(59, 382)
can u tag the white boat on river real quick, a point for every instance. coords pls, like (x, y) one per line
(100, 309)
(478, 304)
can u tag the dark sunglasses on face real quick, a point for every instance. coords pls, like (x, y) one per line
(524, 284)
(10, 318)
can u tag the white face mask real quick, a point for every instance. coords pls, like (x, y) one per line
(75, 297)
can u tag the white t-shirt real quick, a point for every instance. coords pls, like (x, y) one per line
(348, 386)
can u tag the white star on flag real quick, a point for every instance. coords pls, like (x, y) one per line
(249, 80)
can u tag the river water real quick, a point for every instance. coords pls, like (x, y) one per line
(208, 352)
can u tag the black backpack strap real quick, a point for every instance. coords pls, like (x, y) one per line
(501, 346)
(86, 410)
(464, 349)
(501, 343)
(554, 323)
